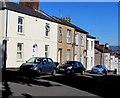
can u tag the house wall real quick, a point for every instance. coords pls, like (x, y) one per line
(90, 54)
(82, 47)
(77, 46)
(33, 33)
(64, 46)
(1, 35)
(97, 57)
(114, 62)
(106, 60)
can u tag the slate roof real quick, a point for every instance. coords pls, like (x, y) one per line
(61, 21)
(102, 48)
(39, 14)
(89, 36)
(26, 10)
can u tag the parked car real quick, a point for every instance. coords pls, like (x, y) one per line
(71, 67)
(99, 69)
(39, 65)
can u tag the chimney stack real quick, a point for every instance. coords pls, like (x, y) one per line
(68, 19)
(34, 4)
(96, 42)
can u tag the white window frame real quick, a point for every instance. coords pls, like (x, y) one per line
(76, 39)
(68, 53)
(47, 30)
(68, 36)
(20, 52)
(20, 25)
(82, 39)
(91, 45)
(91, 61)
(87, 44)
(60, 34)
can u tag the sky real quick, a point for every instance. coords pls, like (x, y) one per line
(100, 19)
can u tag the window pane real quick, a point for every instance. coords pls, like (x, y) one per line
(46, 50)
(68, 55)
(68, 36)
(20, 24)
(60, 34)
(20, 51)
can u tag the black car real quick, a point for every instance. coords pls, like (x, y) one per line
(71, 67)
(39, 65)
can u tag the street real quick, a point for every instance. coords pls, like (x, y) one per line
(60, 85)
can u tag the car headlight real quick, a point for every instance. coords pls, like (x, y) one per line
(69, 67)
(34, 68)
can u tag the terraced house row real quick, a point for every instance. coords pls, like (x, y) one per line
(26, 31)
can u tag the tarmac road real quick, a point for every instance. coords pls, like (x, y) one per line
(60, 85)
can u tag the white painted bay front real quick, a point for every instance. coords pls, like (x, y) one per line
(29, 36)
(90, 53)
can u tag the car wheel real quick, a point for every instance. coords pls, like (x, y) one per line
(39, 72)
(105, 73)
(82, 72)
(53, 72)
(72, 71)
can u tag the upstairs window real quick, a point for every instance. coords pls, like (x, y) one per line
(20, 24)
(60, 34)
(92, 45)
(76, 39)
(47, 30)
(87, 45)
(68, 36)
(82, 40)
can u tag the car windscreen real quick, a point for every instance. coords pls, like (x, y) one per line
(99, 66)
(34, 60)
(70, 63)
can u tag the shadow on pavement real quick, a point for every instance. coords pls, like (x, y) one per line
(13, 76)
(103, 86)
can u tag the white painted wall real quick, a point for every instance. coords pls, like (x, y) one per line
(90, 53)
(1, 35)
(114, 62)
(107, 60)
(34, 33)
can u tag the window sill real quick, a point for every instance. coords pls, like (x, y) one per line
(47, 37)
(19, 61)
(20, 33)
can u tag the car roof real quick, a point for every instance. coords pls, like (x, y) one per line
(42, 57)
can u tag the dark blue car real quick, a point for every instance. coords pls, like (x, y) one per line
(39, 65)
(71, 67)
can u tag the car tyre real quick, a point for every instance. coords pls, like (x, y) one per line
(82, 72)
(53, 72)
(39, 72)
(72, 71)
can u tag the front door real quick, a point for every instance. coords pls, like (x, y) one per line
(35, 50)
(60, 55)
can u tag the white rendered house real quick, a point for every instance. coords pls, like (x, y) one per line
(28, 33)
(90, 52)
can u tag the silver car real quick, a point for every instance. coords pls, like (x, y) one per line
(39, 65)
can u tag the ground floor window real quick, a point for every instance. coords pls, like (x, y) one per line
(68, 54)
(46, 50)
(19, 51)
